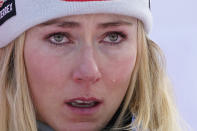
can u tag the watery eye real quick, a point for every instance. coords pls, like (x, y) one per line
(114, 37)
(58, 39)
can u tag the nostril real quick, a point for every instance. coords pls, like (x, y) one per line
(78, 79)
(97, 79)
(87, 78)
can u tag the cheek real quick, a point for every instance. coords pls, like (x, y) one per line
(117, 77)
(45, 73)
(46, 77)
(122, 70)
(118, 71)
(40, 69)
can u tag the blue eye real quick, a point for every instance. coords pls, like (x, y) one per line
(114, 37)
(58, 38)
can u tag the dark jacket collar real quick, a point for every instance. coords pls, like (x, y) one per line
(43, 127)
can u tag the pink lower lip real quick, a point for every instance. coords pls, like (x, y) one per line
(83, 111)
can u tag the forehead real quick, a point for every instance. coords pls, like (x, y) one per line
(95, 17)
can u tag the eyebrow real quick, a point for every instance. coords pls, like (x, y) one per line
(114, 24)
(72, 24)
(68, 24)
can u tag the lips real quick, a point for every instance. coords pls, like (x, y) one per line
(83, 103)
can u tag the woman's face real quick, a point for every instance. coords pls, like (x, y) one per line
(79, 68)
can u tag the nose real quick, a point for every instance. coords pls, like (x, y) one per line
(87, 70)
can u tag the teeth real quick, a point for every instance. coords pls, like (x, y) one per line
(79, 101)
(83, 104)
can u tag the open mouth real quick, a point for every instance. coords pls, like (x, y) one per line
(83, 104)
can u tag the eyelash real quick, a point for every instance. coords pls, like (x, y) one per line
(120, 34)
(58, 33)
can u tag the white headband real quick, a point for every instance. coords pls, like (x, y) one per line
(16, 16)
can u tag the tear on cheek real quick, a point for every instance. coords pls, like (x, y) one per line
(122, 71)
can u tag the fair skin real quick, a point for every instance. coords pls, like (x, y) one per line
(89, 61)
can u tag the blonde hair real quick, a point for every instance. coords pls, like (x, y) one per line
(17, 112)
(148, 97)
